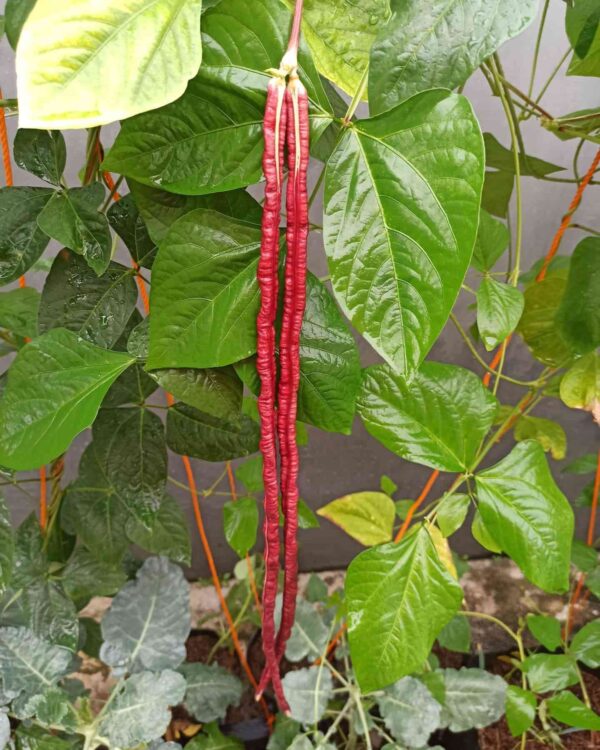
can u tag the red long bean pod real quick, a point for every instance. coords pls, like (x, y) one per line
(274, 130)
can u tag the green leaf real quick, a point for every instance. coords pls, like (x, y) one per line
(97, 308)
(316, 589)
(35, 738)
(399, 226)
(503, 159)
(583, 30)
(473, 699)
(585, 464)
(549, 434)
(65, 50)
(284, 733)
(399, 597)
(308, 692)
(410, 712)
(497, 192)
(7, 546)
(140, 712)
(388, 485)
(19, 311)
(583, 557)
(492, 241)
(578, 316)
(15, 15)
(521, 708)
(570, 710)
(546, 630)
(528, 516)
(211, 738)
(214, 391)
(205, 296)
(21, 240)
(306, 518)
(580, 386)
(585, 646)
(437, 419)
(439, 44)
(28, 663)
(72, 218)
(250, 474)
(211, 689)
(367, 517)
(132, 387)
(54, 390)
(41, 152)
(160, 209)
(499, 309)
(149, 619)
(210, 140)
(546, 672)
(165, 534)
(240, 522)
(193, 433)
(340, 35)
(538, 325)
(84, 577)
(451, 513)
(456, 635)
(125, 218)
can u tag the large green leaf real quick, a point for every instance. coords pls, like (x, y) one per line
(21, 240)
(438, 418)
(340, 34)
(167, 533)
(211, 689)
(367, 517)
(15, 15)
(399, 597)
(66, 49)
(19, 311)
(439, 43)
(492, 240)
(499, 309)
(211, 139)
(97, 308)
(84, 576)
(72, 218)
(140, 712)
(580, 386)
(578, 316)
(215, 391)
(528, 516)
(205, 296)
(149, 619)
(585, 646)
(583, 30)
(29, 664)
(410, 711)
(546, 672)
(54, 390)
(402, 195)
(41, 152)
(473, 699)
(193, 433)
(567, 708)
(521, 708)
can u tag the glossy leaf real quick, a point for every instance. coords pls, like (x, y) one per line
(585, 645)
(578, 316)
(210, 140)
(204, 292)
(546, 630)
(166, 533)
(84, 577)
(214, 391)
(367, 517)
(140, 712)
(21, 240)
(308, 692)
(547, 672)
(400, 225)
(521, 708)
(132, 387)
(528, 516)
(54, 390)
(19, 311)
(193, 433)
(549, 434)
(41, 152)
(340, 35)
(399, 597)
(30, 664)
(499, 309)
(240, 523)
(439, 44)
(580, 386)
(473, 699)
(124, 217)
(15, 15)
(211, 689)
(492, 241)
(149, 619)
(97, 308)
(572, 711)
(66, 49)
(410, 712)
(72, 218)
(451, 513)
(583, 30)
(438, 418)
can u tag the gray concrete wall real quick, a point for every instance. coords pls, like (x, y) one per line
(333, 465)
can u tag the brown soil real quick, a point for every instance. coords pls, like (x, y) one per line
(498, 737)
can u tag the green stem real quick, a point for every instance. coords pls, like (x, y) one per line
(538, 44)
(553, 75)
(584, 228)
(357, 98)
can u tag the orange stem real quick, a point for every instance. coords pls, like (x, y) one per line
(8, 173)
(417, 504)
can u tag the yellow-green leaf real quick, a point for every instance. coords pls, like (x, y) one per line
(549, 434)
(367, 517)
(580, 387)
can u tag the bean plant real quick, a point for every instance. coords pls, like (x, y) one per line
(158, 268)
